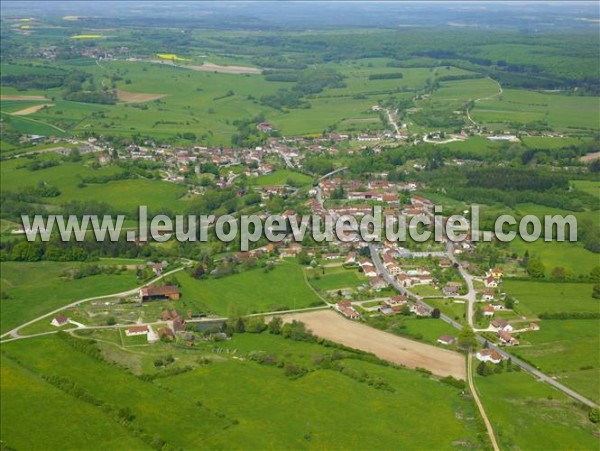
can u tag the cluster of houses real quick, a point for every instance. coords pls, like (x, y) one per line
(405, 277)
(374, 190)
(393, 305)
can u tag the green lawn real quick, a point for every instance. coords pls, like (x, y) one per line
(38, 288)
(527, 414)
(448, 307)
(249, 291)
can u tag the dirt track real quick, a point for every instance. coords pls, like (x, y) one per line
(412, 354)
(32, 109)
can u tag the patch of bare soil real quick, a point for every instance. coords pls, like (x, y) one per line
(412, 354)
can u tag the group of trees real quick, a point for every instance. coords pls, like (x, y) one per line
(307, 82)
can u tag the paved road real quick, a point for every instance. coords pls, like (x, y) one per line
(515, 360)
(470, 296)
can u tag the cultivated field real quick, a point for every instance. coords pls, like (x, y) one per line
(32, 109)
(21, 97)
(137, 97)
(398, 350)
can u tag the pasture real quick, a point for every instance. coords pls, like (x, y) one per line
(251, 291)
(568, 350)
(37, 288)
(282, 177)
(209, 407)
(67, 177)
(539, 297)
(563, 113)
(27, 399)
(527, 414)
(335, 278)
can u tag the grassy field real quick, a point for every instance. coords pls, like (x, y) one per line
(566, 349)
(570, 255)
(539, 297)
(335, 278)
(421, 329)
(589, 186)
(561, 112)
(37, 288)
(27, 399)
(478, 145)
(527, 414)
(282, 177)
(67, 176)
(448, 307)
(250, 291)
(546, 142)
(156, 411)
(208, 407)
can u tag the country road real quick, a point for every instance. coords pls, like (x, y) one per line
(14, 333)
(499, 93)
(515, 360)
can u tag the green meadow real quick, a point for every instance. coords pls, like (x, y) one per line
(335, 278)
(547, 142)
(539, 297)
(568, 350)
(28, 399)
(561, 112)
(124, 195)
(589, 186)
(250, 291)
(527, 414)
(209, 407)
(34, 289)
(282, 177)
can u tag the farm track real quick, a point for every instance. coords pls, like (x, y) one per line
(486, 421)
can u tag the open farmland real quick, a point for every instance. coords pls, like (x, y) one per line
(283, 288)
(34, 289)
(332, 326)
(67, 177)
(540, 297)
(206, 111)
(267, 393)
(527, 414)
(566, 349)
(566, 113)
